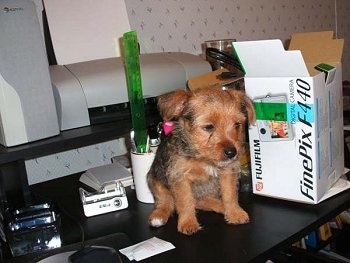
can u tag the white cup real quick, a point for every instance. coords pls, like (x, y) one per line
(140, 164)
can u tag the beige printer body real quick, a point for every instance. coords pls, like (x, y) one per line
(100, 83)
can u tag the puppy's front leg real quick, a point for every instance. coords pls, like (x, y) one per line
(234, 214)
(185, 206)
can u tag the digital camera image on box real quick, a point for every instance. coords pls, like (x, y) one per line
(272, 118)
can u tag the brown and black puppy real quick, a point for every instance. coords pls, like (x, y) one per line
(196, 166)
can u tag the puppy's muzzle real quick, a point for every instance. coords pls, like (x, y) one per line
(230, 152)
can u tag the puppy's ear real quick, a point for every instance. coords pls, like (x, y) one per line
(249, 108)
(172, 104)
(247, 105)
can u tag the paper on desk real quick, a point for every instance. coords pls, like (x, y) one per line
(146, 249)
(341, 185)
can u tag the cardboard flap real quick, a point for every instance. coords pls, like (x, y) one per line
(211, 79)
(318, 47)
(267, 58)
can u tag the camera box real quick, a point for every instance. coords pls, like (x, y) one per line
(296, 145)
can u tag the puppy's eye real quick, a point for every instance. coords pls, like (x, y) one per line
(208, 127)
(237, 125)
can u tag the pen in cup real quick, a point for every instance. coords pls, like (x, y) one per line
(134, 148)
(154, 132)
(132, 141)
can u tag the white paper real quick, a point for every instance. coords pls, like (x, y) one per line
(146, 249)
(83, 30)
(274, 60)
(341, 185)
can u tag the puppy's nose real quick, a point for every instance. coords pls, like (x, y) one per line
(230, 152)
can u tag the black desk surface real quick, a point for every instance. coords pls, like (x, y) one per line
(275, 224)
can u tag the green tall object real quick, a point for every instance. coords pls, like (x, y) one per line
(134, 83)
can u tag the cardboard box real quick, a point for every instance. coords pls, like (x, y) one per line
(297, 149)
(215, 79)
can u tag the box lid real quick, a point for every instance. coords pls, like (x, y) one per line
(268, 58)
(212, 79)
(318, 47)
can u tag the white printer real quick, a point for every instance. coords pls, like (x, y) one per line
(80, 89)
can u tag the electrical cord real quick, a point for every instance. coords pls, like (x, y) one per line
(66, 213)
(224, 57)
(76, 221)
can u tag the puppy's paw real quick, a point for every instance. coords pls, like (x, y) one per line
(156, 222)
(188, 227)
(237, 216)
(158, 218)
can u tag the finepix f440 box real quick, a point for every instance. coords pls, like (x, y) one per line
(296, 145)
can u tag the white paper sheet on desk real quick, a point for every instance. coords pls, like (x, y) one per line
(146, 249)
(341, 185)
(83, 30)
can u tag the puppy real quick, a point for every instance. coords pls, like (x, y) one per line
(196, 165)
